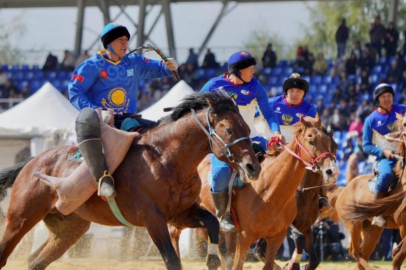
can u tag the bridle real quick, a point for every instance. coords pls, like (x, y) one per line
(312, 165)
(211, 132)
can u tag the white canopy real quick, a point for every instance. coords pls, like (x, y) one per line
(171, 99)
(45, 112)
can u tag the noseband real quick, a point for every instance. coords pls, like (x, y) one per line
(211, 132)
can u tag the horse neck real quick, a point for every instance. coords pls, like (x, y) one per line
(181, 144)
(283, 175)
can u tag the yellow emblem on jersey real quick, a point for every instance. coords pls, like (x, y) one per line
(287, 119)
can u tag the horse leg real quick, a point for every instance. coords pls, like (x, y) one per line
(355, 247)
(314, 259)
(63, 233)
(21, 218)
(300, 241)
(274, 244)
(399, 255)
(159, 233)
(243, 244)
(231, 245)
(197, 217)
(175, 235)
(370, 239)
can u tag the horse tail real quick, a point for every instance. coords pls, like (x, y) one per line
(9, 175)
(359, 211)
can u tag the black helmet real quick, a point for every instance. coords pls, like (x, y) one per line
(295, 81)
(381, 89)
(240, 60)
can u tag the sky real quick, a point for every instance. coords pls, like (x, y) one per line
(53, 29)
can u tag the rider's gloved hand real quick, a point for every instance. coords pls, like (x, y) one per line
(171, 64)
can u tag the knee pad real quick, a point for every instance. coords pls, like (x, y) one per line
(87, 125)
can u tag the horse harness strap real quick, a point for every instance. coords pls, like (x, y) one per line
(309, 165)
(212, 133)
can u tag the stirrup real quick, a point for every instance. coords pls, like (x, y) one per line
(227, 223)
(108, 175)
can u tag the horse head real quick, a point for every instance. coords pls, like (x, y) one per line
(316, 146)
(230, 135)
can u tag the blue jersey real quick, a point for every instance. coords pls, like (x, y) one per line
(101, 83)
(248, 97)
(377, 125)
(288, 114)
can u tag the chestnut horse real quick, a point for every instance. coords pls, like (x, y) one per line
(307, 203)
(155, 183)
(356, 207)
(266, 208)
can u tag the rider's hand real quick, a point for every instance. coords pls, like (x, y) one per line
(171, 64)
(395, 135)
(389, 154)
(277, 134)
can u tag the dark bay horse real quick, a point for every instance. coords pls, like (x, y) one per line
(156, 182)
(307, 203)
(267, 207)
(356, 207)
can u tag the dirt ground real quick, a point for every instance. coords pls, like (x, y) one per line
(84, 264)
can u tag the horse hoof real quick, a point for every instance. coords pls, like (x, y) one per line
(213, 262)
(290, 266)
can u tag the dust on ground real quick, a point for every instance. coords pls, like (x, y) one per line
(83, 264)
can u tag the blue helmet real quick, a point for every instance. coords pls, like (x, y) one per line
(240, 60)
(381, 89)
(111, 32)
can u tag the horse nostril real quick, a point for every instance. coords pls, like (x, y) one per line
(250, 168)
(329, 172)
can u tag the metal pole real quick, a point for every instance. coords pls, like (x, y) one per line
(79, 27)
(393, 11)
(169, 28)
(141, 23)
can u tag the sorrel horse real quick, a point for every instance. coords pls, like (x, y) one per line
(155, 183)
(356, 207)
(307, 204)
(267, 207)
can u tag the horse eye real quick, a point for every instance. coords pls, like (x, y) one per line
(229, 131)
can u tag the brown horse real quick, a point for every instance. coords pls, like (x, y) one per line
(155, 182)
(267, 207)
(307, 203)
(356, 207)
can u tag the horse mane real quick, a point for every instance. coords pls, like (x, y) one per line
(219, 101)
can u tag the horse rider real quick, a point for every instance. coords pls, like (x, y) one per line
(110, 80)
(249, 94)
(289, 107)
(379, 123)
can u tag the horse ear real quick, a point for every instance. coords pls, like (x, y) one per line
(318, 121)
(303, 122)
(328, 129)
(211, 105)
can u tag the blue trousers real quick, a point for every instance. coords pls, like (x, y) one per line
(220, 172)
(386, 176)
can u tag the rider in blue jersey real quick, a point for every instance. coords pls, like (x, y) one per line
(378, 124)
(109, 80)
(289, 107)
(249, 95)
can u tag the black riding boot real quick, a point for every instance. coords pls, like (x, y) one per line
(90, 145)
(220, 200)
(379, 221)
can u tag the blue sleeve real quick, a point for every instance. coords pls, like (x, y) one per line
(149, 69)
(83, 78)
(367, 145)
(205, 88)
(312, 111)
(265, 108)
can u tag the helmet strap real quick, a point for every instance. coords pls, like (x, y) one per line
(238, 75)
(379, 106)
(113, 52)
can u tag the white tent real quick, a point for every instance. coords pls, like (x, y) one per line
(171, 99)
(44, 113)
(46, 118)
